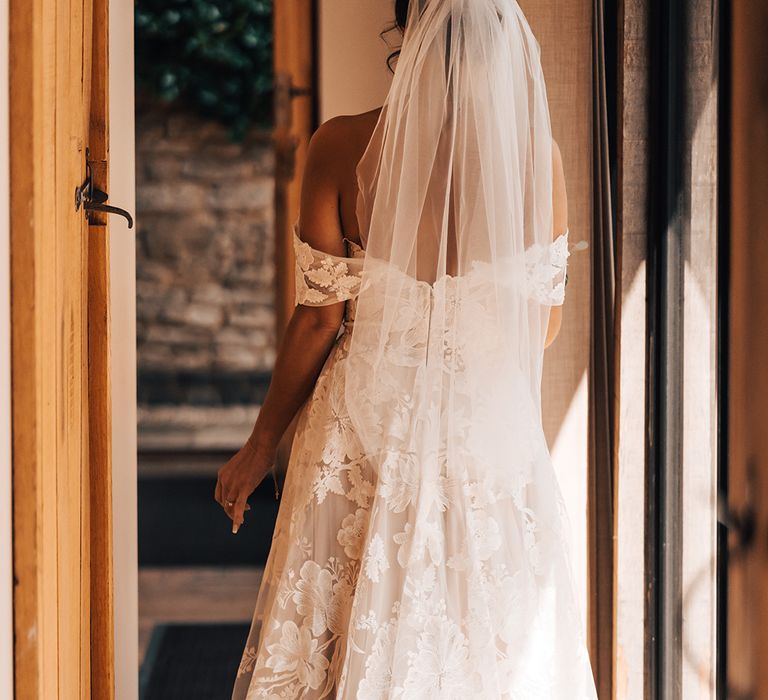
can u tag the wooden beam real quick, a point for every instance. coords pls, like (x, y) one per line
(35, 621)
(99, 387)
(293, 23)
(748, 348)
(50, 43)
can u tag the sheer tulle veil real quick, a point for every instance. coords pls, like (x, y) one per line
(454, 187)
(465, 551)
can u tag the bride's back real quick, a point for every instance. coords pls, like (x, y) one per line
(347, 137)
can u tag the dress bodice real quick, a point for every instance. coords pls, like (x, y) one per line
(322, 278)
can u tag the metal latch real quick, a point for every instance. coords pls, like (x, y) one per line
(93, 199)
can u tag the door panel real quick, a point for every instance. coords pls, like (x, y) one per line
(747, 470)
(99, 390)
(293, 25)
(294, 115)
(51, 90)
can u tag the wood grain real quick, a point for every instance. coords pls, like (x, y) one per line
(293, 64)
(51, 85)
(99, 368)
(748, 369)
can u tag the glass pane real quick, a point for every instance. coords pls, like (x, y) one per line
(699, 512)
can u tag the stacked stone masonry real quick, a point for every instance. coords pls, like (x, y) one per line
(205, 259)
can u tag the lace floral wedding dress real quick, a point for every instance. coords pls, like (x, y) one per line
(421, 546)
(309, 639)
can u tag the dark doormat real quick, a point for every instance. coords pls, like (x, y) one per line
(180, 524)
(192, 661)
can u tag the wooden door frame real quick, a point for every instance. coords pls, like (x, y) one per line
(747, 593)
(55, 291)
(99, 379)
(295, 95)
(6, 525)
(122, 275)
(35, 614)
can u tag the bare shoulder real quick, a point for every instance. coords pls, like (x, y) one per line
(341, 140)
(346, 125)
(331, 157)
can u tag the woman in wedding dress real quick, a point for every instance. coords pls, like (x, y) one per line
(420, 550)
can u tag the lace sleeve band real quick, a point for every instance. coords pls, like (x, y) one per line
(546, 267)
(323, 279)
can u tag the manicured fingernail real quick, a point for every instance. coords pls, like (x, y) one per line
(234, 529)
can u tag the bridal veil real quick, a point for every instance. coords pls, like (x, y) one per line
(465, 584)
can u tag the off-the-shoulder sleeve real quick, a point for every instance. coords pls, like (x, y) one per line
(546, 266)
(323, 279)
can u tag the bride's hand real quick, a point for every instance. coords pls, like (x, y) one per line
(238, 479)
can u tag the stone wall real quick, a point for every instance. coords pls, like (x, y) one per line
(205, 270)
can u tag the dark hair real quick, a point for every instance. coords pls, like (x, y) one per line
(401, 17)
(401, 13)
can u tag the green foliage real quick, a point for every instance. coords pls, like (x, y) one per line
(214, 56)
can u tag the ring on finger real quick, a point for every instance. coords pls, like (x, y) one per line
(230, 503)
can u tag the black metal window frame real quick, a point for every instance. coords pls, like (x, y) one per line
(668, 221)
(723, 15)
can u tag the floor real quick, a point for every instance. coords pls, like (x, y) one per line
(194, 594)
(189, 572)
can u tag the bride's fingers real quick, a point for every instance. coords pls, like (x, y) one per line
(228, 503)
(217, 492)
(238, 513)
(229, 510)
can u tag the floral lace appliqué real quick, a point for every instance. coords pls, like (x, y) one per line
(545, 269)
(432, 570)
(322, 278)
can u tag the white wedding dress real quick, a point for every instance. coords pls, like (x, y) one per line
(421, 546)
(308, 638)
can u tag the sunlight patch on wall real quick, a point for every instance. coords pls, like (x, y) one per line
(569, 456)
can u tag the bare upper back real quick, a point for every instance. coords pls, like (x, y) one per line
(347, 137)
(344, 140)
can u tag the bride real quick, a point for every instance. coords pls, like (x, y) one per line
(420, 548)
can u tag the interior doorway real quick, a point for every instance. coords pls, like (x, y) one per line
(215, 204)
(225, 105)
(53, 459)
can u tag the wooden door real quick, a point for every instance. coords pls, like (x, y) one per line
(294, 99)
(747, 618)
(61, 467)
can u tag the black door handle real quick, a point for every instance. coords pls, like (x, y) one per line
(93, 199)
(109, 209)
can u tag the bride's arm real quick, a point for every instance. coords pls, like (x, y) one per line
(559, 225)
(307, 341)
